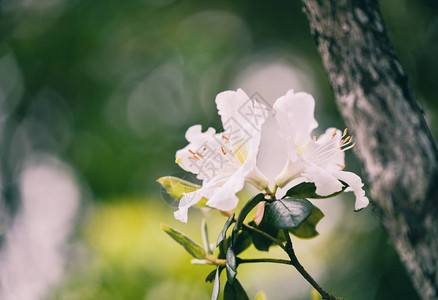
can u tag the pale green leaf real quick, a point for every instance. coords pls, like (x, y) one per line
(191, 247)
(176, 187)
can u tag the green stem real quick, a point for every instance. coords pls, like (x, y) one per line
(263, 260)
(294, 261)
(275, 190)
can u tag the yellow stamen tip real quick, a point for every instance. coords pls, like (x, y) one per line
(178, 160)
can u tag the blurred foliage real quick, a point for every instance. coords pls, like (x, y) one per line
(132, 76)
(128, 257)
(111, 86)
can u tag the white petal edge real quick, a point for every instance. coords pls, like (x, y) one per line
(194, 132)
(356, 184)
(326, 184)
(229, 105)
(190, 199)
(187, 201)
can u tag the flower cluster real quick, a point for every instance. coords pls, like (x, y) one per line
(227, 160)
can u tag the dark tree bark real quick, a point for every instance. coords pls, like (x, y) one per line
(393, 142)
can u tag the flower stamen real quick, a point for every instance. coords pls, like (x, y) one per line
(345, 132)
(223, 151)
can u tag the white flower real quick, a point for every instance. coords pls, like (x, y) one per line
(319, 160)
(224, 161)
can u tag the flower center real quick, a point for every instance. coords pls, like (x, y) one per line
(209, 159)
(329, 149)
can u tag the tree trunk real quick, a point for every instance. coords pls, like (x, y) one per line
(393, 142)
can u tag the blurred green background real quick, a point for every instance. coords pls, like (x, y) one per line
(109, 88)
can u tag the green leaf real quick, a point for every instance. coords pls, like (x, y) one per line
(176, 187)
(231, 265)
(307, 229)
(191, 247)
(246, 209)
(223, 233)
(287, 213)
(234, 291)
(242, 242)
(210, 277)
(216, 285)
(223, 247)
(261, 296)
(260, 242)
(308, 190)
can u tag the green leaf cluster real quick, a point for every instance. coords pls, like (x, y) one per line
(293, 213)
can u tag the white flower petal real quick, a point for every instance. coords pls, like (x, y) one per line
(326, 184)
(356, 185)
(190, 199)
(225, 197)
(187, 201)
(294, 115)
(224, 161)
(271, 160)
(257, 179)
(291, 170)
(229, 105)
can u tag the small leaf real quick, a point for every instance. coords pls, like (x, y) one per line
(231, 265)
(216, 285)
(260, 242)
(261, 296)
(307, 229)
(223, 233)
(205, 240)
(308, 190)
(176, 187)
(288, 213)
(234, 291)
(247, 208)
(242, 242)
(191, 247)
(210, 276)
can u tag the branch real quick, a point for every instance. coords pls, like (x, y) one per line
(394, 143)
(294, 261)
